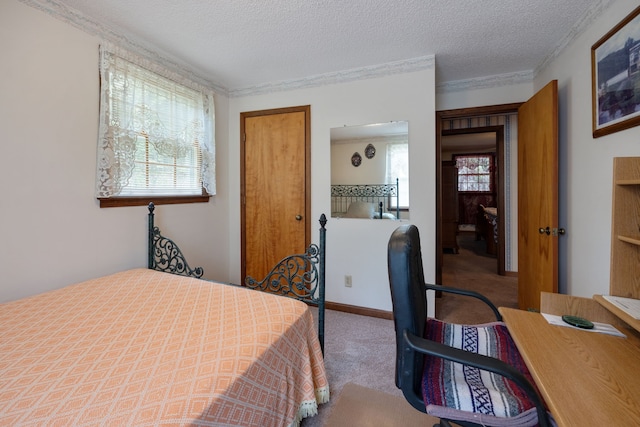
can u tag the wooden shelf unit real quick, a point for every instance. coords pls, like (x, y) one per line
(629, 320)
(625, 228)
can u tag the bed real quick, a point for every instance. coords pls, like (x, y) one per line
(372, 201)
(149, 347)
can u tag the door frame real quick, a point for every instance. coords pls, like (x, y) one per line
(468, 113)
(307, 187)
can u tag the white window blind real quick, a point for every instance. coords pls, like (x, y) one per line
(156, 134)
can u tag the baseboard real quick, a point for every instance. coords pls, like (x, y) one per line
(363, 311)
(511, 273)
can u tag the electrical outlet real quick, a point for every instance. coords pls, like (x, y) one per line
(347, 281)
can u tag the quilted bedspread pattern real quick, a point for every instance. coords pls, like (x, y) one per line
(142, 347)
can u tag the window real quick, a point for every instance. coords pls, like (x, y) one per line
(475, 172)
(156, 134)
(398, 167)
(159, 172)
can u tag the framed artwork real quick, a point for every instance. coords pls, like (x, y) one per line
(615, 77)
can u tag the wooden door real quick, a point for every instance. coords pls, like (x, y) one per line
(275, 187)
(538, 196)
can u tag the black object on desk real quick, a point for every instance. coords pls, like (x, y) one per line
(577, 321)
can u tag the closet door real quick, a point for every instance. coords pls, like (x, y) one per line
(275, 187)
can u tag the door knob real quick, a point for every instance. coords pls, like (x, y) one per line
(558, 231)
(298, 217)
(555, 231)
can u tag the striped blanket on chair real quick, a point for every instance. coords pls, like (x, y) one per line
(455, 391)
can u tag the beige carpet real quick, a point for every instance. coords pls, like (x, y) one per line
(359, 406)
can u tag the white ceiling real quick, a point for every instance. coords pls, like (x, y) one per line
(241, 44)
(373, 130)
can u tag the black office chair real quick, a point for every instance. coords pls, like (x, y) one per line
(472, 375)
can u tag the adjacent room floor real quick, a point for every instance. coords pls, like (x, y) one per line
(472, 268)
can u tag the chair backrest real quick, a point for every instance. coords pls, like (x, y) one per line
(408, 295)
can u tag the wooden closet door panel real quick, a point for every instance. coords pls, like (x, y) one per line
(274, 190)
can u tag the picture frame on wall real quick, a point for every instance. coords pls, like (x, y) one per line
(615, 77)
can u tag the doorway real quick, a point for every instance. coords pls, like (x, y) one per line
(537, 190)
(497, 122)
(479, 152)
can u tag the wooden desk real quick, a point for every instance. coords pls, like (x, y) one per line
(586, 378)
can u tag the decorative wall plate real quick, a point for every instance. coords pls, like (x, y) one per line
(356, 159)
(370, 151)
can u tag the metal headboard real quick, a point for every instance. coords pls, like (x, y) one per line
(165, 255)
(381, 194)
(300, 276)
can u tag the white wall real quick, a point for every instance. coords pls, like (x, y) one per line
(53, 230)
(54, 233)
(370, 171)
(354, 247)
(507, 94)
(586, 163)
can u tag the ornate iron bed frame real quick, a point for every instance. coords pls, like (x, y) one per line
(299, 276)
(381, 194)
(165, 255)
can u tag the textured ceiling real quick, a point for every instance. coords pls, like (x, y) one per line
(246, 43)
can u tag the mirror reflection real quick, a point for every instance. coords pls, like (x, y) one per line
(370, 171)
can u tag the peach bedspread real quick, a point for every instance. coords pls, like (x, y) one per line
(142, 347)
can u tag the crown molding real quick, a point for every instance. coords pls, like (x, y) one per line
(487, 82)
(370, 72)
(120, 38)
(495, 81)
(92, 27)
(587, 19)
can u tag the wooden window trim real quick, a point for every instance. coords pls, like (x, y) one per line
(114, 202)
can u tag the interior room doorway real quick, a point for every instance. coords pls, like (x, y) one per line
(536, 218)
(475, 159)
(464, 126)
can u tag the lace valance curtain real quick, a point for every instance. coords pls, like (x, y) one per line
(137, 101)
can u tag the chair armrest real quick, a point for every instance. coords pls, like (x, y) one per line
(467, 293)
(480, 361)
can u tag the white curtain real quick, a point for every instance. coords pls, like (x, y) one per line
(397, 167)
(140, 98)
